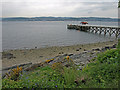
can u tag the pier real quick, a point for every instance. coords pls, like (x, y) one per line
(97, 29)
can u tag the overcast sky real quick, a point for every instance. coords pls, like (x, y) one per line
(60, 8)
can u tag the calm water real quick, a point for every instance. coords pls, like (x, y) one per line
(30, 34)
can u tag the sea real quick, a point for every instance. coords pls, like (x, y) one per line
(40, 34)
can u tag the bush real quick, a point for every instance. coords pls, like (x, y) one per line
(104, 71)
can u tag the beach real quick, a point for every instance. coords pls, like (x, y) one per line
(38, 55)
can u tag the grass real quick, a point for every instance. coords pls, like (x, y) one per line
(102, 72)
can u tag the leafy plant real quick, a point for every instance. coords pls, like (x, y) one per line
(15, 73)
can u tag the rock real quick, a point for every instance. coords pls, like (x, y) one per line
(107, 47)
(92, 53)
(7, 70)
(8, 56)
(33, 66)
(80, 68)
(40, 56)
(77, 63)
(35, 47)
(84, 52)
(97, 49)
(84, 49)
(20, 65)
(65, 55)
(87, 62)
(76, 82)
(61, 52)
(70, 54)
(82, 63)
(103, 49)
(67, 65)
(83, 80)
(114, 46)
(77, 49)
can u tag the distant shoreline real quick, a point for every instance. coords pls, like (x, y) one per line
(58, 19)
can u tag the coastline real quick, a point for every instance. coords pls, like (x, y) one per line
(39, 55)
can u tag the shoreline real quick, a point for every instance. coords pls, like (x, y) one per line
(27, 48)
(38, 55)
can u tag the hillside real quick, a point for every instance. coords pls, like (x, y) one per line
(58, 19)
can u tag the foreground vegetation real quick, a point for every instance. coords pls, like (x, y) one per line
(101, 72)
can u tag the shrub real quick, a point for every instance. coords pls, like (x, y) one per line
(108, 56)
(104, 71)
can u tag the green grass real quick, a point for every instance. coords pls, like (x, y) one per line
(102, 72)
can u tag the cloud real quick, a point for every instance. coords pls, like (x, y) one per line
(60, 0)
(58, 8)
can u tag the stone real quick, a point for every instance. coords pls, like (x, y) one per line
(70, 54)
(84, 52)
(8, 56)
(82, 63)
(84, 49)
(77, 64)
(65, 55)
(61, 52)
(103, 49)
(80, 67)
(35, 47)
(107, 47)
(40, 56)
(77, 49)
(114, 46)
(97, 49)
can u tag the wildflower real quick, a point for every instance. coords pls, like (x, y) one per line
(47, 61)
(26, 77)
(67, 57)
(56, 85)
(35, 84)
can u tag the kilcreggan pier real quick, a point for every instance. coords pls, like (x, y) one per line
(110, 30)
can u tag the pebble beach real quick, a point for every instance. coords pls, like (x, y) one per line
(38, 55)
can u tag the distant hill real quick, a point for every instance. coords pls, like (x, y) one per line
(59, 19)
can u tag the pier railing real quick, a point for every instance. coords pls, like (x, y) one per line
(97, 29)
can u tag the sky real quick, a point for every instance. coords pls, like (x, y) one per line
(59, 8)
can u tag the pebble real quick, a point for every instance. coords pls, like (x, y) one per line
(77, 49)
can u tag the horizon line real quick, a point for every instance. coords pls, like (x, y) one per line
(57, 16)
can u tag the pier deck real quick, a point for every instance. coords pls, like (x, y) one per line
(97, 29)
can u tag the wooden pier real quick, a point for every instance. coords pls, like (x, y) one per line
(97, 29)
